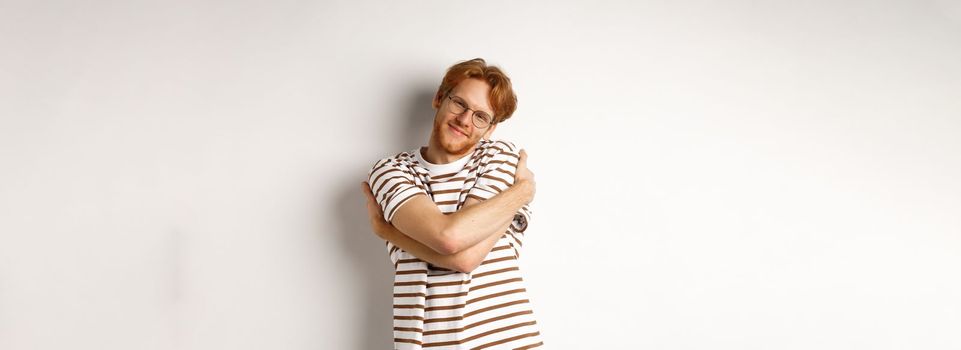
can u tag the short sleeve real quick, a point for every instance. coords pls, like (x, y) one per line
(393, 184)
(498, 173)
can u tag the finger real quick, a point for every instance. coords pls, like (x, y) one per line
(372, 206)
(523, 157)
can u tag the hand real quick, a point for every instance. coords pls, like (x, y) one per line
(525, 175)
(377, 222)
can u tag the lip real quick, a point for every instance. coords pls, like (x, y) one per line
(457, 130)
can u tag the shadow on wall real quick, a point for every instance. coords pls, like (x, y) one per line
(366, 251)
(414, 129)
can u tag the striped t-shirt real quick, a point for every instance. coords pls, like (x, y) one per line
(437, 308)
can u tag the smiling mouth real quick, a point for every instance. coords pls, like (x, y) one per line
(457, 131)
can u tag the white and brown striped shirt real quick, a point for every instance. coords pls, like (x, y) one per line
(437, 308)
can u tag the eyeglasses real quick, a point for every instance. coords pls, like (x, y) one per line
(458, 106)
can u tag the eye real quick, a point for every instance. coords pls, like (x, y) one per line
(460, 104)
(483, 116)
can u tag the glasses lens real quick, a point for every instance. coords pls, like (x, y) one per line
(457, 106)
(481, 120)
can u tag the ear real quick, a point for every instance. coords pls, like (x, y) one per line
(438, 98)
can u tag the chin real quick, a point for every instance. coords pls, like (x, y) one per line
(457, 147)
(450, 144)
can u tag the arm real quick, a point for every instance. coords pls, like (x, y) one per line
(413, 213)
(464, 261)
(421, 220)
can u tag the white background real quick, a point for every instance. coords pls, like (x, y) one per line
(711, 174)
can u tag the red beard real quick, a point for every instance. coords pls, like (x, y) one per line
(456, 146)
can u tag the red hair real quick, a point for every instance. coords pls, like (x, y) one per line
(502, 97)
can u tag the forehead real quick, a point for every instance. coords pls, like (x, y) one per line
(475, 92)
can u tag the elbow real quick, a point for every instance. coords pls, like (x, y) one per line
(465, 265)
(448, 244)
(446, 248)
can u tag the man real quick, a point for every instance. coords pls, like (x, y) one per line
(453, 214)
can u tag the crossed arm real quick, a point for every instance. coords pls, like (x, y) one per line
(459, 241)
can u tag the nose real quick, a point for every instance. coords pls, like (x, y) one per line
(464, 118)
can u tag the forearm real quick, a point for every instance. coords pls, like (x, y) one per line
(472, 224)
(464, 261)
(418, 249)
